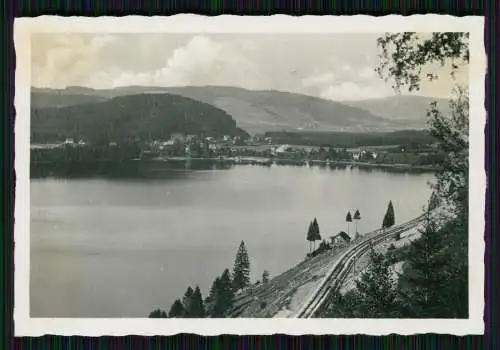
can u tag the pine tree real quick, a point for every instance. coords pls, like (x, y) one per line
(177, 310)
(377, 289)
(404, 57)
(315, 232)
(224, 296)
(348, 219)
(357, 217)
(389, 218)
(197, 307)
(158, 314)
(425, 279)
(210, 299)
(434, 201)
(187, 301)
(310, 235)
(241, 270)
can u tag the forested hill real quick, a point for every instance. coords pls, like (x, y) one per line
(255, 111)
(154, 116)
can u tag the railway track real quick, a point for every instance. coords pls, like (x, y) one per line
(335, 278)
(331, 282)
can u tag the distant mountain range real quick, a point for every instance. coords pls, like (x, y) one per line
(262, 111)
(123, 118)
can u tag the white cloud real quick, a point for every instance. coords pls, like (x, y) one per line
(346, 68)
(327, 65)
(367, 73)
(349, 91)
(319, 79)
(202, 61)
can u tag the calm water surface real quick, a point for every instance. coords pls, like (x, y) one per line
(120, 248)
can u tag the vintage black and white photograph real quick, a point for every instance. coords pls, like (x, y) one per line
(189, 175)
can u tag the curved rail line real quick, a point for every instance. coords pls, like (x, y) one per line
(334, 278)
(341, 269)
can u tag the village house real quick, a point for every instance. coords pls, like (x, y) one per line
(340, 239)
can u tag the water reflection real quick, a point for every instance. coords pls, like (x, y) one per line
(156, 169)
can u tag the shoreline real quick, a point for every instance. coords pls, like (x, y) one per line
(254, 160)
(302, 162)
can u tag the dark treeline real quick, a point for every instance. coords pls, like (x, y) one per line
(346, 139)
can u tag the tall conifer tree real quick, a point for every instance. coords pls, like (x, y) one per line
(241, 270)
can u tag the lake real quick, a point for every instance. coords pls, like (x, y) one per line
(121, 247)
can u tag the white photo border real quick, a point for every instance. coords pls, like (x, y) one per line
(24, 325)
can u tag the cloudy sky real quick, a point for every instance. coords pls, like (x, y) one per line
(332, 66)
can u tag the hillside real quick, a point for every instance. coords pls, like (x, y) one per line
(120, 118)
(261, 111)
(349, 139)
(410, 110)
(43, 99)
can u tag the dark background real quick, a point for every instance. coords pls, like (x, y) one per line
(12, 8)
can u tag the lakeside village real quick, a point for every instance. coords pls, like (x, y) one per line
(257, 149)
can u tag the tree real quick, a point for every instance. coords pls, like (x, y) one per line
(177, 310)
(310, 235)
(407, 57)
(197, 307)
(158, 314)
(241, 270)
(265, 276)
(357, 217)
(348, 219)
(224, 295)
(210, 299)
(434, 202)
(424, 280)
(316, 233)
(187, 301)
(389, 218)
(404, 56)
(452, 133)
(377, 289)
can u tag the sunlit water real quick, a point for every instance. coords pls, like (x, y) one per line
(120, 248)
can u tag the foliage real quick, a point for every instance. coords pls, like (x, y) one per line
(346, 139)
(224, 295)
(177, 310)
(144, 116)
(241, 270)
(424, 278)
(389, 218)
(357, 215)
(348, 217)
(375, 295)
(452, 134)
(265, 276)
(317, 235)
(377, 288)
(434, 201)
(407, 57)
(157, 313)
(310, 234)
(187, 301)
(313, 233)
(197, 309)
